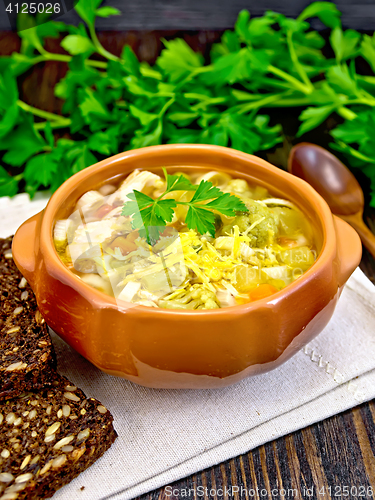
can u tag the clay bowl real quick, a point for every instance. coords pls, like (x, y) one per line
(193, 349)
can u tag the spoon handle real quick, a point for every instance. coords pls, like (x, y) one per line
(367, 237)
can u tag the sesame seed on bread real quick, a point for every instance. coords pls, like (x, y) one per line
(49, 430)
(27, 357)
(48, 437)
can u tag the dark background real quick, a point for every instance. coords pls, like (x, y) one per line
(206, 14)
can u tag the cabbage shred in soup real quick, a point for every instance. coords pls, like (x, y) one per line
(185, 242)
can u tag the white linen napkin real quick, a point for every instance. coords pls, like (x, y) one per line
(165, 435)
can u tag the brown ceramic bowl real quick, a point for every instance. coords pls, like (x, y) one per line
(187, 349)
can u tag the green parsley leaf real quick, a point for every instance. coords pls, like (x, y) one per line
(30, 38)
(26, 135)
(182, 135)
(164, 209)
(368, 50)
(344, 43)
(107, 11)
(86, 9)
(78, 44)
(117, 103)
(182, 118)
(90, 104)
(227, 204)
(106, 142)
(327, 12)
(231, 68)
(242, 25)
(341, 80)
(312, 117)
(138, 87)
(141, 140)
(146, 70)
(141, 199)
(177, 60)
(131, 62)
(206, 191)
(8, 184)
(40, 170)
(178, 183)
(84, 158)
(201, 219)
(149, 216)
(9, 120)
(8, 90)
(49, 135)
(144, 117)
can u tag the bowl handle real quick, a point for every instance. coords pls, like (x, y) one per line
(349, 249)
(25, 248)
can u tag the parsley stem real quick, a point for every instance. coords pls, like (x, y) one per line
(365, 101)
(244, 108)
(271, 82)
(165, 107)
(55, 121)
(209, 102)
(200, 97)
(346, 113)
(297, 64)
(55, 57)
(38, 112)
(96, 64)
(289, 78)
(51, 56)
(355, 152)
(101, 50)
(193, 74)
(291, 102)
(196, 204)
(63, 123)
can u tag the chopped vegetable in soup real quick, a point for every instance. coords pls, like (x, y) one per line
(186, 241)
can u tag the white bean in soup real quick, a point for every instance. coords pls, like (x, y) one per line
(249, 255)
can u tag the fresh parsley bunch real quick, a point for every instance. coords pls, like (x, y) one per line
(119, 103)
(150, 216)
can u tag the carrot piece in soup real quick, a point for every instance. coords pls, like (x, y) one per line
(262, 291)
(242, 300)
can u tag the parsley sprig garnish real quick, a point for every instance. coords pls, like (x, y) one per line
(151, 216)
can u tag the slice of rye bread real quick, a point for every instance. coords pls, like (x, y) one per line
(27, 357)
(48, 438)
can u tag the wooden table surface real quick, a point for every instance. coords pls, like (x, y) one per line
(329, 460)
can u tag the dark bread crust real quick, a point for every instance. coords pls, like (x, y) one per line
(36, 462)
(45, 408)
(27, 357)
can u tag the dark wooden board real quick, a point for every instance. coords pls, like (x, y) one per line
(207, 14)
(329, 460)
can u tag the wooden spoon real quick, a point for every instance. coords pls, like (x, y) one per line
(335, 183)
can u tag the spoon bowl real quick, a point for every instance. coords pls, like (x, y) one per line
(335, 183)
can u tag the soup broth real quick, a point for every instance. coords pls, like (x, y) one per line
(253, 254)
